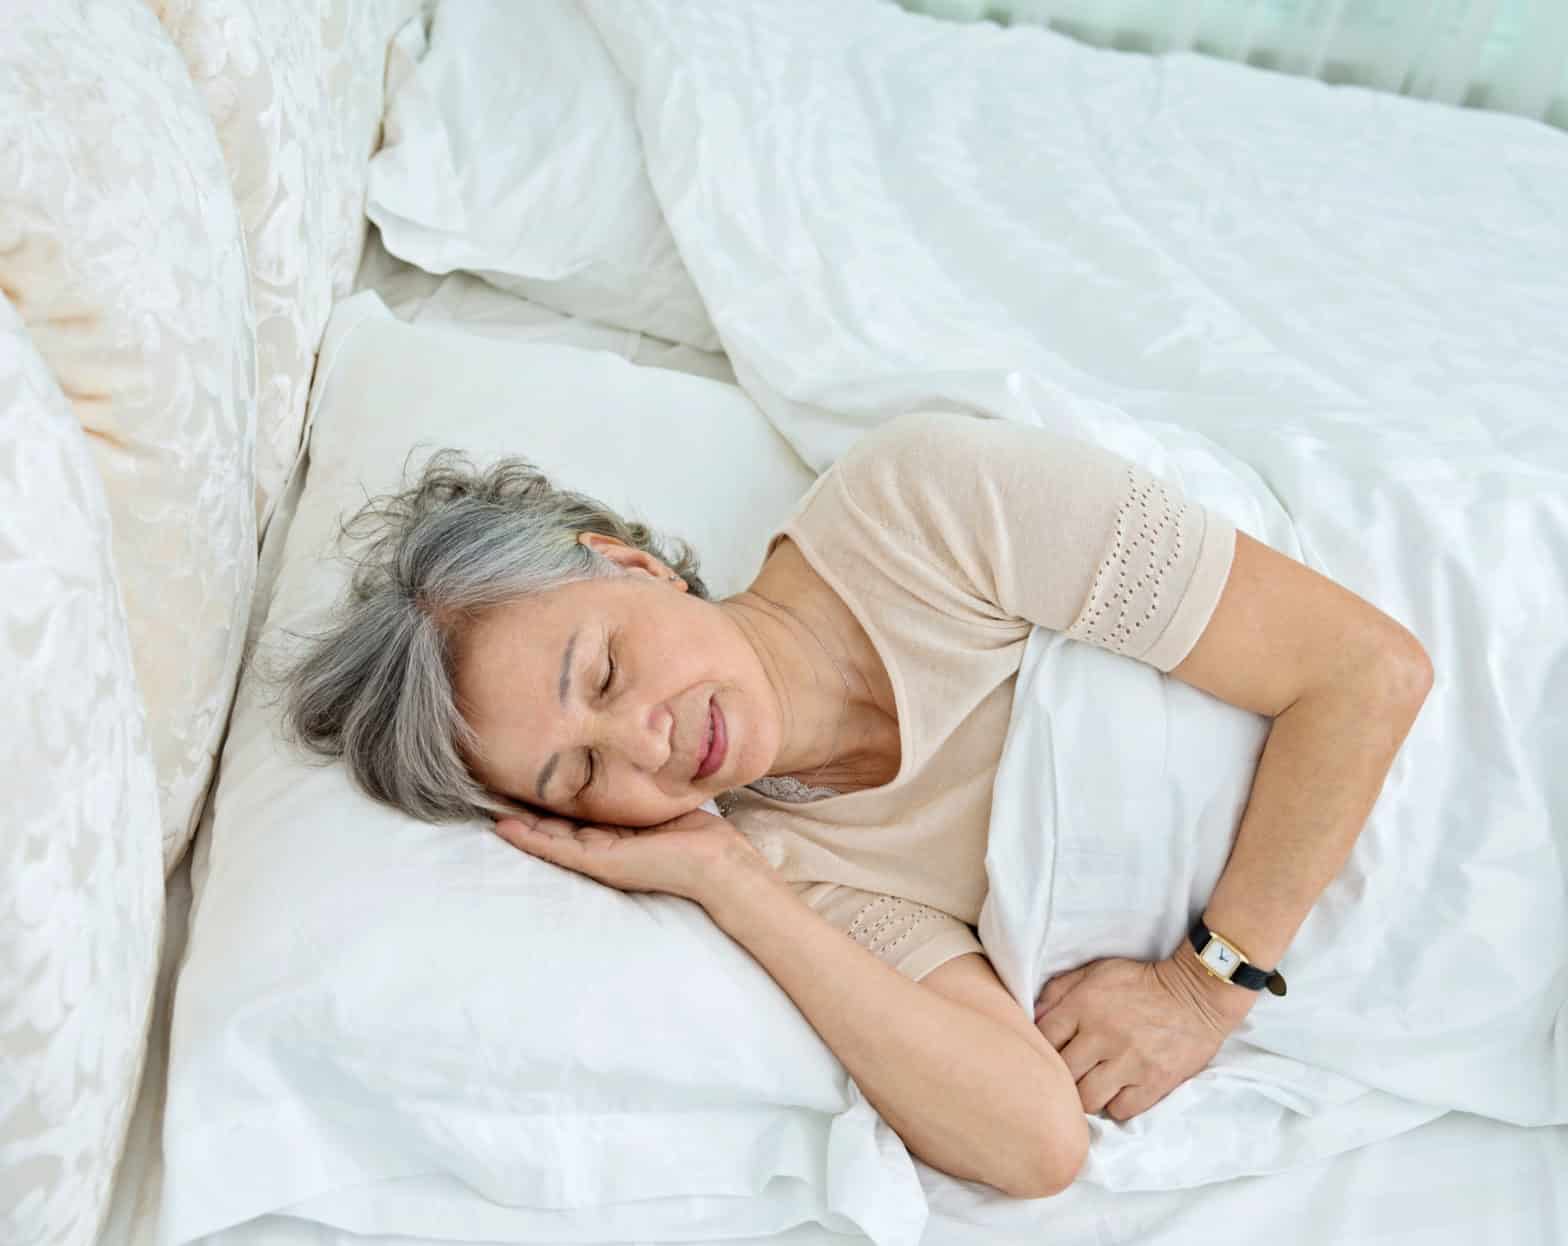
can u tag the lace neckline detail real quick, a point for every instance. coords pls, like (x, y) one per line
(788, 788)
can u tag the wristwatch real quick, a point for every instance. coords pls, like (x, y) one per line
(1227, 962)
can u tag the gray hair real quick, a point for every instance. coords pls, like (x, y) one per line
(377, 688)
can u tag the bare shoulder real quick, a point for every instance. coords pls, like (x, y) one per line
(785, 569)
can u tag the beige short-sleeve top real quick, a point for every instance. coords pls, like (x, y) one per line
(949, 537)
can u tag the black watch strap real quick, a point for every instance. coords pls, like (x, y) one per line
(1247, 975)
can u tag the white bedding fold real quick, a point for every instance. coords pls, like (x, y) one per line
(1333, 316)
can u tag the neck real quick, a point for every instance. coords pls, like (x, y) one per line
(816, 687)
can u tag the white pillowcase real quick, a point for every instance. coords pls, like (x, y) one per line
(1116, 803)
(512, 152)
(397, 1027)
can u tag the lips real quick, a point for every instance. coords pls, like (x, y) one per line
(717, 742)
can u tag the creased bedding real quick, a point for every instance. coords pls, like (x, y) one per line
(1335, 317)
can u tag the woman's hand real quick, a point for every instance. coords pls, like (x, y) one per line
(1131, 1032)
(686, 856)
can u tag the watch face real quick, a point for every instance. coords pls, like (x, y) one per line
(1220, 957)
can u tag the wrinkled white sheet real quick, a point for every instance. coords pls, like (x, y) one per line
(1334, 316)
(1456, 1182)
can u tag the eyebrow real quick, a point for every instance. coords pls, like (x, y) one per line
(565, 687)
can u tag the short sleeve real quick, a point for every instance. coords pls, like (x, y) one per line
(912, 938)
(1045, 528)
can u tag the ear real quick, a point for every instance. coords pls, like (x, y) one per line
(630, 558)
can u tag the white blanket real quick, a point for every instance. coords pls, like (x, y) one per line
(1335, 317)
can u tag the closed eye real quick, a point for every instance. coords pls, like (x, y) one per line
(604, 688)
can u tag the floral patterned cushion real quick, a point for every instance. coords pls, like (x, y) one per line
(121, 251)
(81, 871)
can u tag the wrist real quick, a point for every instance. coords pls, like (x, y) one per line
(734, 874)
(1223, 1004)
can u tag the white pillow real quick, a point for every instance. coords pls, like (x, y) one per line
(397, 1027)
(511, 152)
(1116, 803)
(81, 872)
(1165, 772)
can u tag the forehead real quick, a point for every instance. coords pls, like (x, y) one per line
(507, 663)
(506, 669)
(512, 648)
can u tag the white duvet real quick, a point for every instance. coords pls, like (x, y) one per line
(1334, 316)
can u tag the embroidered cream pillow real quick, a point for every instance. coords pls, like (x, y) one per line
(121, 251)
(294, 89)
(81, 873)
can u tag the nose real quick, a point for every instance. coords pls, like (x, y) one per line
(642, 735)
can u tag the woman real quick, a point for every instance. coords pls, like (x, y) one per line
(519, 651)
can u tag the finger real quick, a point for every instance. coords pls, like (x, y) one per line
(1099, 1086)
(539, 836)
(1056, 988)
(516, 832)
(557, 828)
(1132, 1101)
(1081, 1055)
(1058, 1028)
(600, 833)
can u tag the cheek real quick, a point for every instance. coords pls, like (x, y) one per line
(631, 803)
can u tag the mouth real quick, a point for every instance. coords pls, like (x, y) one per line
(716, 745)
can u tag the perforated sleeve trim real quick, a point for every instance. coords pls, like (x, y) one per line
(888, 922)
(1150, 539)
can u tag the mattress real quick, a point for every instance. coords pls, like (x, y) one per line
(1458, 1179)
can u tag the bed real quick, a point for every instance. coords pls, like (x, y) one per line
(796, 273)
(1458, 1178)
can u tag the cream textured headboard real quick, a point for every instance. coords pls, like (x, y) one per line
(181, 199)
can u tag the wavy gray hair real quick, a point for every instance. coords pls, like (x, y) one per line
(377, 688)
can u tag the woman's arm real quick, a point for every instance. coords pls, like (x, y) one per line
(1344, 684)
(951, 1062)
(968, 1092)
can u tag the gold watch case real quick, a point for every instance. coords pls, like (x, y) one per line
(1221, 958)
